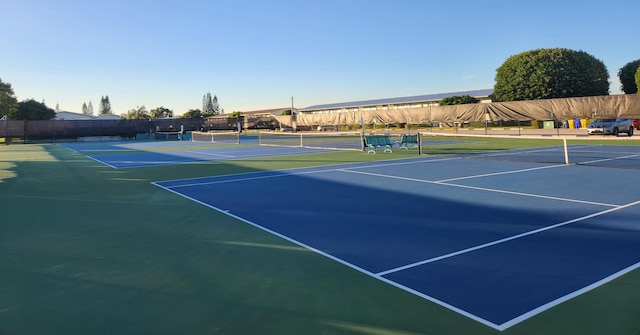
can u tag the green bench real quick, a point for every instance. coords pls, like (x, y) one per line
(408, 141)
(373, 142)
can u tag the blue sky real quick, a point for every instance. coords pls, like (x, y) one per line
(258, 54)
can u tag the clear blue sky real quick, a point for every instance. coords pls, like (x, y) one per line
(256, 54)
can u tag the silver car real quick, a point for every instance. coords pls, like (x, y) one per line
(610, 126)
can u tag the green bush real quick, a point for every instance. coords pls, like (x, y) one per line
(550, 73)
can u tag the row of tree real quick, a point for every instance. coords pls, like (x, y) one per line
(141, 113)
(531, 75)
(104, 108)
(30, 109)
(210, 107)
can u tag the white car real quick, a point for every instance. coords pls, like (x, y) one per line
(327, 128)
(610, 126)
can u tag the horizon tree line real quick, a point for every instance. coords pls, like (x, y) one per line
(531, 75)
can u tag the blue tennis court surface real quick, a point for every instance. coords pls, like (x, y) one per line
(126, 146)
(121, 155)
(497, 242)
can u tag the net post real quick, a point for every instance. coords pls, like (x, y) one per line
(419, 144)
(566, 152)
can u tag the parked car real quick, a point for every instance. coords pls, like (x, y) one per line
(327, 128)
(610, 126)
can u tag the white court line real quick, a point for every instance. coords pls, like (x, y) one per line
(275, 174)
(608, 159)
(567, 297)
(481, 188)
(507, 239)
(101, 162)
(442, 182)
(290, 172)
(209, 154)
(513, 152)
(501, 173)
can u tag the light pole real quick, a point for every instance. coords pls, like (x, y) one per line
(487, 118)
(293, 121)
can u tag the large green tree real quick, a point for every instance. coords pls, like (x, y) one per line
(105, 106)
(210, 106)
(138, 113)
(161, 112)
(627, 75)
(192, 114)
(550, 73)
(458, 100)
(32, 110)
(8, 101)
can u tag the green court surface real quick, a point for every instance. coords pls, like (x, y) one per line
(88, 249)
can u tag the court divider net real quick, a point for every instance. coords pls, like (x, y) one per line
(232, 137)
(167, 135)
(328, 140)
(609, 152)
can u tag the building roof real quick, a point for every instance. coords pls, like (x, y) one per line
(66, 115)
(273, 111)
(400, 100)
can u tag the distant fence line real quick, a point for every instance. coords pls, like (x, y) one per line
(610, 106)
(623, 106)
(61, 130)
(55, 130)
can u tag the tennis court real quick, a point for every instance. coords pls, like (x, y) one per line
(497, 242)
(477, 237)
(146, 154)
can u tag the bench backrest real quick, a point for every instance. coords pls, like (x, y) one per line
(409, 138)
(384, 140)
(377, 140)
(371, 140)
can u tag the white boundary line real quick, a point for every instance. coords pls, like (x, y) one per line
(482, 188)
(567, 297)
(302, 170)
(501, 173)
(209, 154)
(507, 239)
(609, 159)
(90, 157)
(279, 173)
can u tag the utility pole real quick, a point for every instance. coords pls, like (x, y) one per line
(293, 120)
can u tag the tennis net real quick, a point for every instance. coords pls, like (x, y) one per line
(611, 152)
(167, 135)
(232, 137)
(331, 141)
